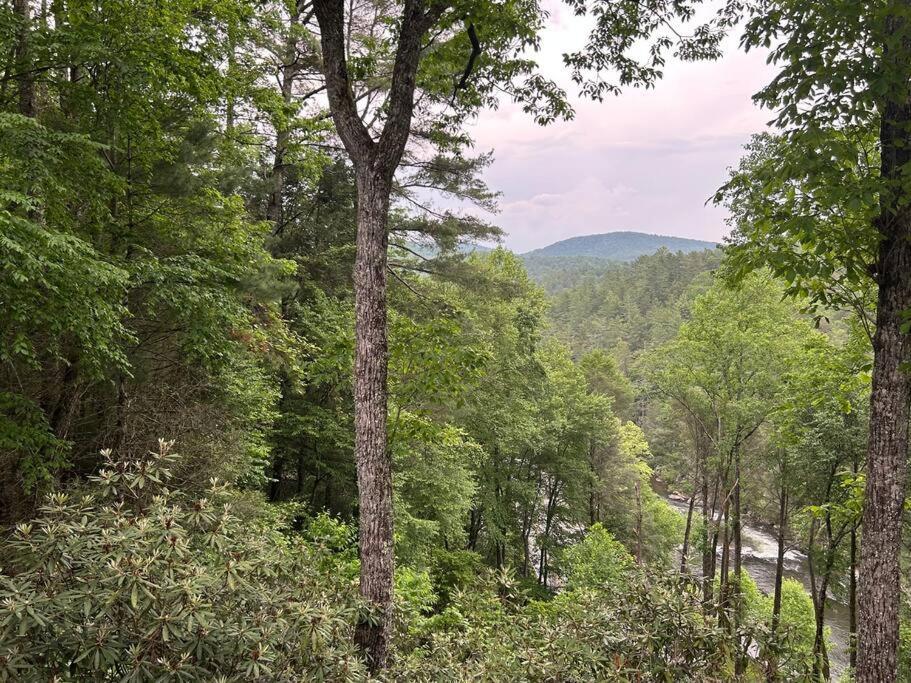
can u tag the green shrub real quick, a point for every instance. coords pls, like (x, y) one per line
(453, 570)
(798, 616)
(597, 561)
(139, 582)
(650, 630)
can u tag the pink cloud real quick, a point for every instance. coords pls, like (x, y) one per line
(646, 160)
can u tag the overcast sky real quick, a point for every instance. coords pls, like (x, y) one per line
(645, 161)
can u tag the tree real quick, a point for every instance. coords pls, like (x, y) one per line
(843, 65)
(724, 372)
(818, 438)
(506, 32)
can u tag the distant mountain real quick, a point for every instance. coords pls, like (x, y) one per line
(618, 246)
(567, 263)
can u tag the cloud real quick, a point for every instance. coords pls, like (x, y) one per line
(646, 160)
(550, 216)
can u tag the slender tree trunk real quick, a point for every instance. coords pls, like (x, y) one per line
(735, 587)
(820, 656)
(289, 71)
(685, 550)
(707, 568)
(879, 586)
(474, 528)
(779, 558)
(592, 485)
(278, 471)
(736, 527)
(527, 525)
(852, 588)
(723, 590)
(374, 465)
(638, 522)
(549, 514)
(22, 60)
(301, 470)
(327, 504)
(852, 603)
(375, 163)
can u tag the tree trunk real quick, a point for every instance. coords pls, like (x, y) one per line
(736, 527)
(474, 528)
(707, 564)
(820, 656)
(852, 603)
(289, 72)
(638, 522)
(887, 450)
(375, 164)
(592, 485)
(25, 77)
(779, 558)
(549, 514)
(852, 589)
(723, 591)
(686, 534)
(278, 472)
(374, 464)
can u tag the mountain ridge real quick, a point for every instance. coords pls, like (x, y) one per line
(622, 245)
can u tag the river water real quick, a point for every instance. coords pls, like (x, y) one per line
(760, 551)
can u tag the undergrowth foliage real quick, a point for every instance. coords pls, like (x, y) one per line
(136, 581)
(133, 579)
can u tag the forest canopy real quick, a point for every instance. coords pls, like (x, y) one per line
(269, 413)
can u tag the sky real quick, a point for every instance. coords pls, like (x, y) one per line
(646, 161)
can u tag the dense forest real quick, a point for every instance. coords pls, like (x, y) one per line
(267, 414)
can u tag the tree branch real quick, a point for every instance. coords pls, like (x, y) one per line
(330, 14)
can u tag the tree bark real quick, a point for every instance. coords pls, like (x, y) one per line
(707, 549)
(686, 533)
(375, 163)
(289, 72)
(25, 78)
(736, 526)
(887, 450)
(820, 655)
(779, 558)
(723, 589)
(638, 522)
(474, 527)
(374, 464)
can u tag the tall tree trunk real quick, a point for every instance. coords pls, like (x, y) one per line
(25, 78)
(289, 72)
(707, 569)
(723, 589)
(820, 655)
(549, 515)
(685, 550)
(278, 472)
(474, 527)
(779, 558)
(852, 602)
(736, 527)
(735, 587)
(375, 163)
(638, 522)
(852, 586)
(592, 484)
(374, 465)
(887, 451)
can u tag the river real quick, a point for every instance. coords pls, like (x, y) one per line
(760, 550)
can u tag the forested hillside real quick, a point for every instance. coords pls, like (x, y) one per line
(266, 414)
(571, 262)
(632, 306)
